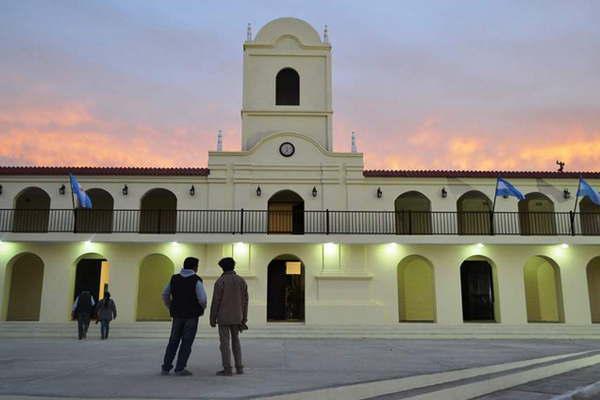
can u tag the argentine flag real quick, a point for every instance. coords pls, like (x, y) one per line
(585, 189)
(83, 199)
(505, 188)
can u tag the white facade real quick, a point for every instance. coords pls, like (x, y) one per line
(349, 278)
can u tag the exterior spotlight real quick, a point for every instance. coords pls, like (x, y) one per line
(566, 194)
(125, 190)
(480, 245)
(444, 193)
(258, 191)
(314, 191)
(379, 193)
(62, 189)
(564, 246)
(192, 191)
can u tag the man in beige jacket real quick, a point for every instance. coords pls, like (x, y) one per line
(229, 309)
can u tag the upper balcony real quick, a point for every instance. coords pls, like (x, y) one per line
(299, 222)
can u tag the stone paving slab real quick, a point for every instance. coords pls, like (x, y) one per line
(548, 388)
(130, 367)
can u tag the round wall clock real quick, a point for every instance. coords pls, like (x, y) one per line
(287, 149)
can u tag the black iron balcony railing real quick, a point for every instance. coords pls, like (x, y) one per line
(301, 222)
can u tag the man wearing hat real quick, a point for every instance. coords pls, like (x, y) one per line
(229, 309)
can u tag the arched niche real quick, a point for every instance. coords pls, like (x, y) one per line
(543, 291)
(32, 210)
(474, 213)
(413, 213)
(155, 272)
(536, 215)
(25, 277)
(593, 280)
(98, 219)
(589, 216)
(416, 290)
(158, 212)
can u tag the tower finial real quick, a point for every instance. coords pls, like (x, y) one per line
(354, 150)
(220, 141)
(249, 32)
(325, 34)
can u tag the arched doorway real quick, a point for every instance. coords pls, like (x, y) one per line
(32, 211)
(474, 215)
(589, 216)
(25, 274)
(536, 215)
(413, 214)
(98, 219)
(478, 290)
(416, 290)
(543, 292)
(593, 280)
(92, 273)
(158, 212)
(286, 213)
(155, 272)
(287, 88)
(285, 289)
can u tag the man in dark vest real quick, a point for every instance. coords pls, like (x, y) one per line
(185, 297)
(82, 311)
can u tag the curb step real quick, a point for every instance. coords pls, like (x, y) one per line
(156, 330)
(453, 385)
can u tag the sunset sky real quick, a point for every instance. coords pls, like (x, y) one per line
(425, 84)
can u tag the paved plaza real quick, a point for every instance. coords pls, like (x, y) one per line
(129, 368)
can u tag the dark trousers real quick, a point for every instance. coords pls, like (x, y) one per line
(225, 333)
(104, 326)
(83, 323)
(182, 330)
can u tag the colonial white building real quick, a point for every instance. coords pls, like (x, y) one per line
(319, 239)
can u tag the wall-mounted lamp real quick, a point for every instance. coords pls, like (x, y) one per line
(444, 192)
(62, 189)
(314, 191)
(258, 191)
(566, 194)
(125, 190)
(192, 191)
(379, 193)
(0, 189)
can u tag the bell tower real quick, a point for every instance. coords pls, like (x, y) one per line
(287, 83)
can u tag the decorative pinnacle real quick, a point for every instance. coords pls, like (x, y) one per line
(249, 32)
(354, 150)
(220, 141)
(325, 35)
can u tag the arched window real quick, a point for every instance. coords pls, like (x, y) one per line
(536, 215)
(99, 218)
(32, 211)
(474, 213)
(158, 212)
(286, 213)
(413, 214)
(287, 88)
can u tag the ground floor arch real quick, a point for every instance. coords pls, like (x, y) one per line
(416, 290)
(478, 290)
(25, 277)
(155, 272)
(285, 289)
(92, 273)
(593, 280)
(543, 292)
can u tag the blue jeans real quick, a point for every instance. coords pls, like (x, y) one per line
(104, 326)
(183, 330)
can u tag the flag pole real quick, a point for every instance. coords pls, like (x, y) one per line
(495, 196)
(577, 195)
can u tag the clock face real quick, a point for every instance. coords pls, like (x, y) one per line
(287, 149)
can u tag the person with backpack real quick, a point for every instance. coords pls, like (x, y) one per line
(185, 297)
(106, 311)
(83, 308)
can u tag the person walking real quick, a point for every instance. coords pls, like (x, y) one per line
(185, 297)
(106, 311)
(229, 309)
(82, 311)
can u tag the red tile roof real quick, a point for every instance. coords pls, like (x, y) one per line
(126, 171)
(384, 173)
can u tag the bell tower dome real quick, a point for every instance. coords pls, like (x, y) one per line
(287, 83)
